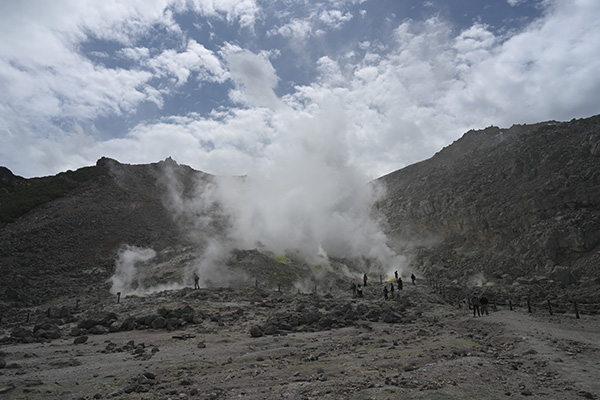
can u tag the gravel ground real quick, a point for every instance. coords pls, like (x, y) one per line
(442, 353)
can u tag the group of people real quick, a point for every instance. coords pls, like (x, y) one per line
(357, 290)
(480, 305)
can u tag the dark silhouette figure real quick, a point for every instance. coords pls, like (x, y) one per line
(365, 279)
(414, 278)
(196, 280)
(359, 291)
(396, 274)
(353, 289)
(475, 302)
(399, 283)
(483, 301)
(392, 290)
(385, 292)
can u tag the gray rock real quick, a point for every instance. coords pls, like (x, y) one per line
(80, 340)
(255, 331)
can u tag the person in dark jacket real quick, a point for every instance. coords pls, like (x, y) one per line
(475, 302)
(483, 301)
(414, 278)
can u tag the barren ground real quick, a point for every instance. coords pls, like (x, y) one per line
(445, 354)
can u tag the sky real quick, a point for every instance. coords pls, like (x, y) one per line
(230, 87)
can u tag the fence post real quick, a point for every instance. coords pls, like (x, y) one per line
(510, 305)
(528, 305)
(576, 310)
(549, 307)
(118, 297)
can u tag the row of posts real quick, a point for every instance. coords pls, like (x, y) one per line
(442, 290)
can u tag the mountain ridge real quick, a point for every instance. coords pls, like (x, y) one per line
(518, 208)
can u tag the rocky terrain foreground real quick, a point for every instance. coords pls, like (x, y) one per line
(259, 344)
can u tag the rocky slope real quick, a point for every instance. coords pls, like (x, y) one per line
(67, 229)
(516, 207)
(509, 206)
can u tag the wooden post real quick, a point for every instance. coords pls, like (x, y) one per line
(510, 305)
(27, 318)
(279, 288)
(576, 310)
(77, 305)
(118, 297)
(256, 283)
(549, 307)
(528, 305)
(495, 305)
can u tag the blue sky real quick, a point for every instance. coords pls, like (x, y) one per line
(228, 87)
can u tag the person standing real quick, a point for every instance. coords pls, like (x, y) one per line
(413, 278)
(392, 290)
(475, 303)
(483, 301)
(196, 280)
(385, 292)
(400, 283)
(365, 280)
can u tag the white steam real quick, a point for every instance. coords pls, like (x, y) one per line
(309, 199)
(124, 279)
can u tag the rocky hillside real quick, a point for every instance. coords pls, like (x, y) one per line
(59, 235)
(518, 206)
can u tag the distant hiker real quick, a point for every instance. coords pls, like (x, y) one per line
(196, 280)
(385, 292)
(475, 303)
(484, 304)
(365, 279)
(414, 278)
(396, 274)
(400, 283)
(353, 289)
(392, 290)
(359, 291)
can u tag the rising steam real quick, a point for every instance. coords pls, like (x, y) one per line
(124, 279)
(308, 201)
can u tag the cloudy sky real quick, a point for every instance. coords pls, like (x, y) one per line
(221, 85)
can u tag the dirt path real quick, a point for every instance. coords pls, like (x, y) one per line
(569, 346)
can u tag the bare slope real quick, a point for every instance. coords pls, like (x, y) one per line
(504, 204)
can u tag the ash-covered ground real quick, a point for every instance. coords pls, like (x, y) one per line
(258, 344)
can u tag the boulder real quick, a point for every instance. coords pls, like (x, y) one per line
(255, 331)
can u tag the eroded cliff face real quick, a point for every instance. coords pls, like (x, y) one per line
(507, 203)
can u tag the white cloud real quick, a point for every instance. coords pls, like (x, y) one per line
(243, 11)
(196, 58)
(255, 78)
(401, 102)
(298, 29)
(334, 18)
